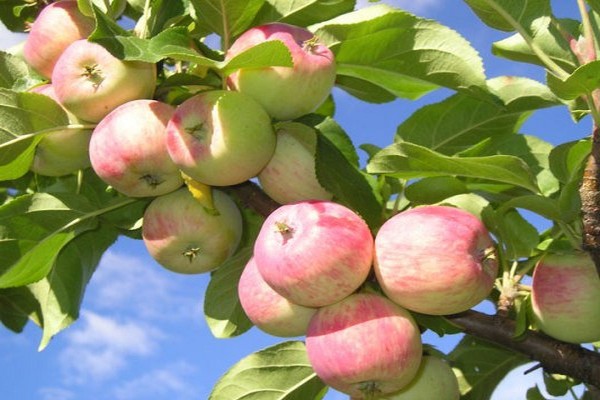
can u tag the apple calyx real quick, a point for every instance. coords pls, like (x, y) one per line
(151, 180)
(283, 228)
(191, 253)
(370, 390)
(309, 45)
(93, 74)
(198, 131)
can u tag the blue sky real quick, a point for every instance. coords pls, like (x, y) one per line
(142, 334)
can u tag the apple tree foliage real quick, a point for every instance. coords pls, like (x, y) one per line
(465, 150)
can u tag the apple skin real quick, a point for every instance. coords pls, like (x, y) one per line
(185, 237)
(268, 310)
(314, 253)
(435, 380)
(290, 175)
(90, 82)
(364, 345)
(307, 84)
(435, 260)
(55, 28)
(62, 152)
(565, 297)
(220, 138)
(128, 149)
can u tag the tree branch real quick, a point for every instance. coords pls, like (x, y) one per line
(553, 355)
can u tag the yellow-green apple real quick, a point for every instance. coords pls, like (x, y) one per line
(61, 152)
(128, 149)
(220, 137)
(435, 260)
(314, 253)
(185, 236)
(290, 174)
(435, 380)
(57, 26)
(304, 86)
(267, 309)
(90, 82)
(364, 345)
(565, 297)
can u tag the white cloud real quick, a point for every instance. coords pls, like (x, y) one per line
(413, 6)
(51, 393)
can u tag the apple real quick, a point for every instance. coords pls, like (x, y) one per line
(285, 92)
(314, 253)
(435, 380)
(365, 346)
(565, 297)
(55, 28)
(267, 309)
(90, 82)
(128, 149)
(290, 175)
(186, 237)
(435, 260)
(220, 137)
(62, 152)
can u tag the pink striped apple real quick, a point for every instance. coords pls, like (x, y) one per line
(184, 236)
(365, 346)
(90, 82)
(128, 149)
(267, 309)
(290, 175)
(565, 297)
(314, 253)
(220, 138)
(435, 260)
(305, 85)
(55, 28)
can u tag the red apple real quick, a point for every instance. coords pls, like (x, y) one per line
(90, 82)
(364, 346)
(128, 149)
(290, 175)
(565, 297)
(182, 235)
(267, 309)
(220, 137)
(314, 253)
(286, 92)
(435, 260)
(435, 380)
(55, 28)
(62, 152)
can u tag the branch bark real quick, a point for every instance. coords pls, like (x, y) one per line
(589, 192)
(553, 355)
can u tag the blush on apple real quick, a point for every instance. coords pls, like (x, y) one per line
(314, 253)
(304, 86)
(435, 260)
(364, 345)
(267, 309)
(184, 236)
(128, 149)
(90, 82)
(565, 297)
(220, 138)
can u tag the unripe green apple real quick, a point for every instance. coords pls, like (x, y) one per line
(267, 309)
(57, 26)
(565, 297)
(285, 92)
(364, 345)
(290, 174)
(90, 82)
(220, 137)
(184, 236)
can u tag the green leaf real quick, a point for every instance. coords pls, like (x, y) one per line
(568, 159)
(329, 128)
(222, 309)
(17, 15)
(266, 54)
(582, 81)
(544, 206)
(403, 54)
(408, 161)
(280, 372)
(483, 366)
(17, 306)
(24, 117)
(15, 74)
(226, 18)
(520, 94)
(518, 237)
(60, 293)
(534, 393)
(435, 189)
(503, 14)
(302, 12)
(349, 185)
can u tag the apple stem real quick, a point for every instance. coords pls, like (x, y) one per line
(151, 180)
(191, 253)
